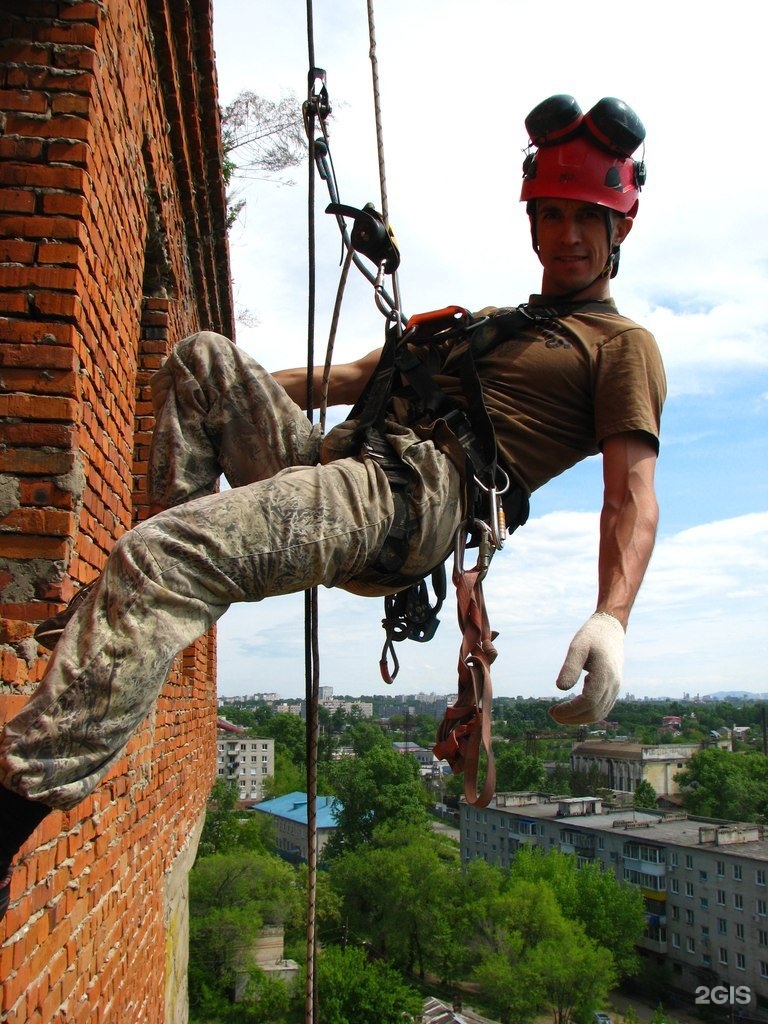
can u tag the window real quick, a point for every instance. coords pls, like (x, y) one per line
(721, 897)
(720, 868)
(763, 969)
(741, 962)
(762, 908)
(762, 937)
(722, 955)
(739, 930)
(675, 913)
(738, 901)
(690, 944)
(722, 927)
(706, 959)
(673, 859)
(688, 861)
(674, 886)
(702, 876)
(704, 902)
(705, 931)
(675, 940)
(737, 872)
(689, 917)
(689, 890)
(760, 875)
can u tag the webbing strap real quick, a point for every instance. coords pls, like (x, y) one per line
(465, 730)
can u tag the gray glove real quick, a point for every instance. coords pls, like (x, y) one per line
(597, 648)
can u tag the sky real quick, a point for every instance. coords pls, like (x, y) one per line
(456, 82)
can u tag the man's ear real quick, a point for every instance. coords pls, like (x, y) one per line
(621, 228)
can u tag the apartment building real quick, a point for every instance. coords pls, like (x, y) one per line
(704, 882)
(248, 761)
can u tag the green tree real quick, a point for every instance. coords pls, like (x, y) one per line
(354, 990)
(379, 787)
(232, 896)
(516, 770)
(574, 974)
(720, 784)
(226, 828)
(365, 735)
(399, 895)
(645, 794)
(288, 777)
(611, 912)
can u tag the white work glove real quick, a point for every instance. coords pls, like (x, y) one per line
(597, 648)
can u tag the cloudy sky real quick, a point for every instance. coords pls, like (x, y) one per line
(456, 82)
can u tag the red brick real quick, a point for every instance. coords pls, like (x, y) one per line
(68, 153)
(15, 250)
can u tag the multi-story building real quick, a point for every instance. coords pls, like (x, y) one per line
(249, 761)
(705, 882)
(625, 764)
(289, 813)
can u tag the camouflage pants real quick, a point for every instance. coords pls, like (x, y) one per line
(286, 524)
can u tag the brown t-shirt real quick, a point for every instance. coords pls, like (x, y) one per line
(555, 392)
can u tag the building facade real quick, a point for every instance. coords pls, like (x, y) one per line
(113, 246)
(246, 760)
(705, 883)
(626, 765)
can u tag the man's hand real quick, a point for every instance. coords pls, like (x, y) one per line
(597, 648)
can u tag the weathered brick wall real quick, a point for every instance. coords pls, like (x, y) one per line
(112, 248)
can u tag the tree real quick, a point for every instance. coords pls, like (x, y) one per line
(379, 787)
(352, 988)
(399, 895)
(516, 770)
(533, 955)
(267, 136)
(232, 896)
(720, 784)
(574, 974)
(611, 912)
(227, 829)
(645, 794)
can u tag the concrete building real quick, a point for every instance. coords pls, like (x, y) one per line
(625, 765)
(244, 759)
(705, 882)
(290, 816)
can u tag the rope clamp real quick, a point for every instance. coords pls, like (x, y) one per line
(370, 235)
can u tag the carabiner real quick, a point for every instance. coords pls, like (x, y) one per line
(498, 519)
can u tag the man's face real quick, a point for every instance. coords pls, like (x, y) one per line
(574, 245)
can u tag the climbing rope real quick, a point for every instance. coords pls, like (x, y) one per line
(316, 108)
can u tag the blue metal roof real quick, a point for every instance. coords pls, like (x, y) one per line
(294, 807)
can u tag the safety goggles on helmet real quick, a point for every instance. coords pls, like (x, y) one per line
(587, 157)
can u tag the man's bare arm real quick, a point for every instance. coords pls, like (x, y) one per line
(345, 384)
(628, 522)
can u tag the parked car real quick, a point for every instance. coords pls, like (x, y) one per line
(601, 1018)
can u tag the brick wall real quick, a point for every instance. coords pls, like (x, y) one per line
(112, 248)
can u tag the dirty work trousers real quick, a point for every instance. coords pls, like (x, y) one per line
(287, 523)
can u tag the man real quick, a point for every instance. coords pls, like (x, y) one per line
(300, 513)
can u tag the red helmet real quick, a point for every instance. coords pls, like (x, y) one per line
(584, 156)
(577, 169)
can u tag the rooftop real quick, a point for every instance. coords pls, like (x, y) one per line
(293, 807)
